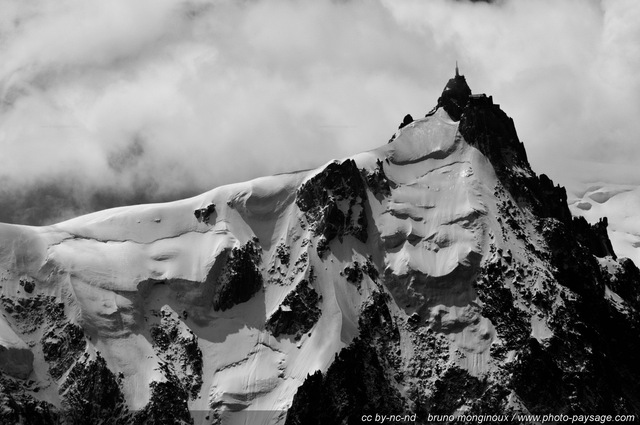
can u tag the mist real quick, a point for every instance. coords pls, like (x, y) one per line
(113, 103)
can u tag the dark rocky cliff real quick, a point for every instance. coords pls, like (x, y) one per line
(587, 365)
(333, 203)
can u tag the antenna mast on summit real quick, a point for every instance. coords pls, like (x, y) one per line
(457, 73)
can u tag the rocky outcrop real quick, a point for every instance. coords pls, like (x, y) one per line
(204, 214)
(354, 273)
(358, 380)
(28, 284)
(31, 313)
(408, 119)
(585, 364)
(281, 270)
(455, 96)
(168, 404)
(298, 312)
(62, 345)
(62, 341)
(625, 281)
(574, 266)
(455, 389)
(594, 236)
(240, 277)
(91, 394)
(553, 200)
(485, 126)
(588, 364)
(377, 181)
(499, 306)
(177, 345)
(356, 384)
(19, 406)
(333, 203)
(283, 253)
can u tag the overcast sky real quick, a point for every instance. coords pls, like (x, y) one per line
(120, 101)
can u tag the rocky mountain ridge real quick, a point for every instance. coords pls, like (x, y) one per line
(437, 274)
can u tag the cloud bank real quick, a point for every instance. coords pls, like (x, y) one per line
(109, 103)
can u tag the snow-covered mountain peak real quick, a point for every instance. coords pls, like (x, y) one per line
(438, 262)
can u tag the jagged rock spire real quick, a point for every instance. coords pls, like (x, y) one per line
(455, 95)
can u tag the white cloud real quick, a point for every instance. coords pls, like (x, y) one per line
(207, 93)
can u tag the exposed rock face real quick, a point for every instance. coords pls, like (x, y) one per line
(298, 312)
(91, 394)
(485, 126)
(62, 345)
(354, 272)
(177, 345)
(62, 342)
(281, 270)
(17, 406)
(204, 214)
(284, 254)
(28, 285)
(334, 203)
(546, 376)
(586, 365)
(168, 404)
(31, 313)
(408, 119)
(358, 381)
(626, 282)
(377, 181)
(499, 306)
(553, 200)
(455, 96)
(240, 278)
(594, 236)
(456, 388)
